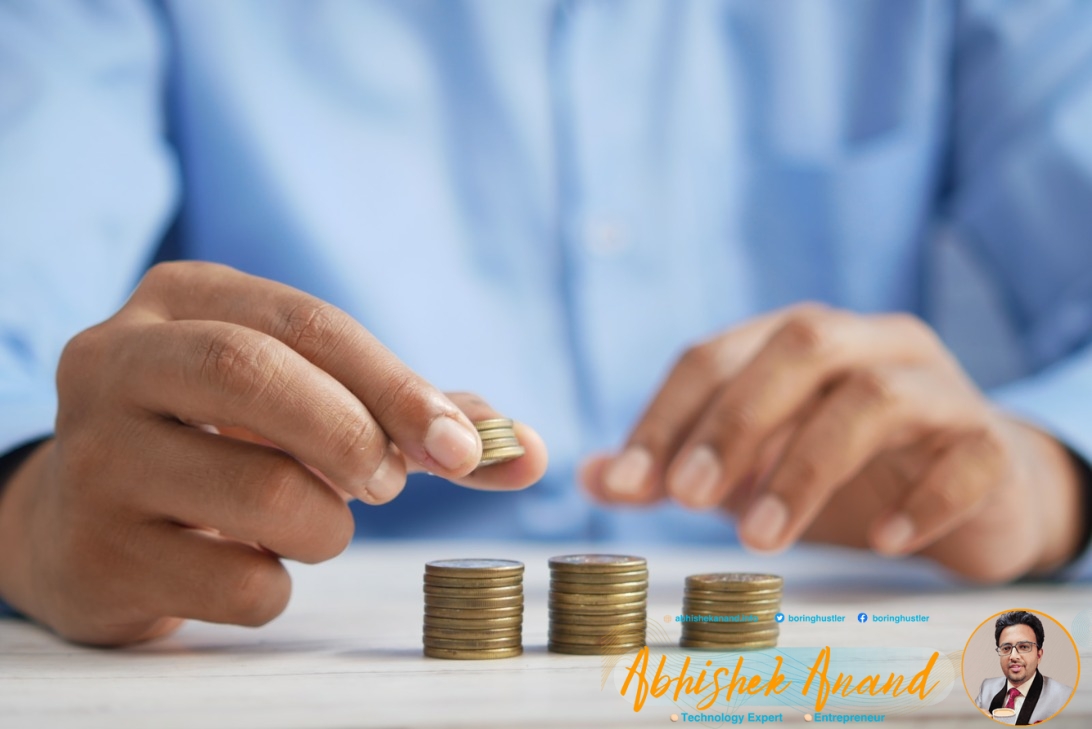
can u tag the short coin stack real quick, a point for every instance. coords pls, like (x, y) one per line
(597, 604)
(734, 611)
(473, 608)
(499, 441)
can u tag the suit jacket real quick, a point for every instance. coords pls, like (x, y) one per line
(1044, 699)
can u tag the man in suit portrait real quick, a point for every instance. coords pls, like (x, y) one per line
(1034, 697)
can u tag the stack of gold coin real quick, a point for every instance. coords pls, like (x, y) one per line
(473, 608)
(499, 441)
(597, 604)
(731, 611)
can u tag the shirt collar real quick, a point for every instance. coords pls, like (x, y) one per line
(1023, 688)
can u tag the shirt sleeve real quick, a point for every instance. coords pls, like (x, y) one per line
(1022, 195)
(87, 184)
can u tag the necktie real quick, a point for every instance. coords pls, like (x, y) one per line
(1013, 693)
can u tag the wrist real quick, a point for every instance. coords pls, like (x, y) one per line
(1057, 487)
(16, 553)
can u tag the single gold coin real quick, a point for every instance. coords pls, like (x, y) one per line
(578, 639)
(585, 563)
(491, 423)
(474, 568)
(473, 655)
(728, 638)
(434, 631)
(494, 456)
(562, 617)
(584, 629)
(479, 582)
(619, 609)
(511, 623)
(706, 645)
(594, 650)
(473, 645)
(478, 592)
(600, 578)
(731, 608)
(734, 595)
(723, 581)
(585, 588)
(495, 444)
(617, 598)
(498, 432)
(726, 627)
(473, 613)
(469, 603)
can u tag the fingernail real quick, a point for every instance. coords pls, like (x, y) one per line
(627, 473)
(695, 482)
(893, 536)
(450, 443)
(765, 521)
(386, 482)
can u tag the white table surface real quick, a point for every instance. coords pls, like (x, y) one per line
(347, 652)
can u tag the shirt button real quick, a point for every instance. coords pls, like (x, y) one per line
(605, 239)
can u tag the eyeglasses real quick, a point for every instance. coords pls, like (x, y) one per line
(1024, 646)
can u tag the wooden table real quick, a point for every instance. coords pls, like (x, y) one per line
(347, 651)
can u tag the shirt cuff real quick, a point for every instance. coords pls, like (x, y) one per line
(1055, 401)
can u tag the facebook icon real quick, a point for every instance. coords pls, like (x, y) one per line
(862, 617)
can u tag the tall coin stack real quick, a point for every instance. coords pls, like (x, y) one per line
(731, 611)
(499, 441)
(597, 604)
(473, 608)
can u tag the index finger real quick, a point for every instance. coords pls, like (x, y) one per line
(636, 474)
(427, 427)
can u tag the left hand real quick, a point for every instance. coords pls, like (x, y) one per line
(854, 429)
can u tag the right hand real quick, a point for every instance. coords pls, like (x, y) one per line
(142, 511)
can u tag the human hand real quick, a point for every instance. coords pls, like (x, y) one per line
(852, 429)
(217, 423)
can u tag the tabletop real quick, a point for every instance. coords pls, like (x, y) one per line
(347, 651)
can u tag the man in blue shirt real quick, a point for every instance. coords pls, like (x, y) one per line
(548, 203)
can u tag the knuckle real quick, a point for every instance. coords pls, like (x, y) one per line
(701, 360)
(82, 353)
(916, 329)
(805, 334)
(314, 326)
(359, 443)
(735, 423)
(872, 389)
(260, 592)
(242, 366)
(163, 275)
(276, 496)
(167, 275)
(804, 471)
(401, 393)
(951, 496)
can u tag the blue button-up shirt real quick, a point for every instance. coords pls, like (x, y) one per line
(547, 201)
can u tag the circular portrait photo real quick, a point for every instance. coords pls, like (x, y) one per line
(1020, 667)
